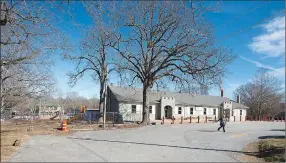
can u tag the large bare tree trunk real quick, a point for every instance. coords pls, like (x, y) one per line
(146, 116)
(101, 101)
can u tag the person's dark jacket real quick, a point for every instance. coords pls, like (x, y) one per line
(222, 122)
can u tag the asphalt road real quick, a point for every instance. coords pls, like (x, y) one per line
(185, 143)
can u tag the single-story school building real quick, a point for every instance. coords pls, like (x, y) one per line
(128, 103)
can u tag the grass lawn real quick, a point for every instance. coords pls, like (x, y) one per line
(272, 150)
(266, 150)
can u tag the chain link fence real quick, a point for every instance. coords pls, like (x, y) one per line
(97, 117)
(94, 117)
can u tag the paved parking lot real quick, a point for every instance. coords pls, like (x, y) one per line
(185, 143)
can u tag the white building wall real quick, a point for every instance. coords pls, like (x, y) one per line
(167, 101)
(227, 105)
(243, 117)
(236, 114)
(197, 111)
(153, 114)
(126, 110)
(176, 112)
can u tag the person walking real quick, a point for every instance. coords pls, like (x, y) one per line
(222, 124)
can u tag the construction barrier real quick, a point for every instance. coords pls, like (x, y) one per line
(82, 109)
(64, 126)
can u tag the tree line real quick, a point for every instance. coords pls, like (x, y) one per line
(150, 43)
(264, 95)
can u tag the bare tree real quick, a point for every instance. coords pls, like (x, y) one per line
(193, 88)
(166, 41)
(263, 94)
(22, 82)
(95, 54)
(27, 35)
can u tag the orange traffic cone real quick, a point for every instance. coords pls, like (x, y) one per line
(64, 126)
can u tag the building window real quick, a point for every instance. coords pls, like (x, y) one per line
(180, 110)
(150, 109)
(214, 112)
(133, 108)
(191, 111)
(205, 111)
(240, 112)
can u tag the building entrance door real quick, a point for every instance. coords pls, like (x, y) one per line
(227, 114)
(168, 112)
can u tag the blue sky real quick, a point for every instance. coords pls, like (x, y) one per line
(261, 44)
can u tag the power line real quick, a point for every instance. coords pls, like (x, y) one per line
(244, 13)
(247, 28)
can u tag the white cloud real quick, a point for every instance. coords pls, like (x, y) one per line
(272, 42)
(276, 24)
(258, 64)
(277, 72)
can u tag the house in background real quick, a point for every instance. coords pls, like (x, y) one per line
(128, 103)
(47, 111)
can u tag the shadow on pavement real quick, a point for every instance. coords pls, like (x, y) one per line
(207, 130)
(171, 146)
(272, 148)
(272, 137)
(277, 130)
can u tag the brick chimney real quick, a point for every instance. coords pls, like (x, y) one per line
(220, 88)
(238, 98)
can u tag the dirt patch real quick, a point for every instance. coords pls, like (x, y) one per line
(20, 132)
(128, 126)
(251, 153)
(15, 133)
(266, 150)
